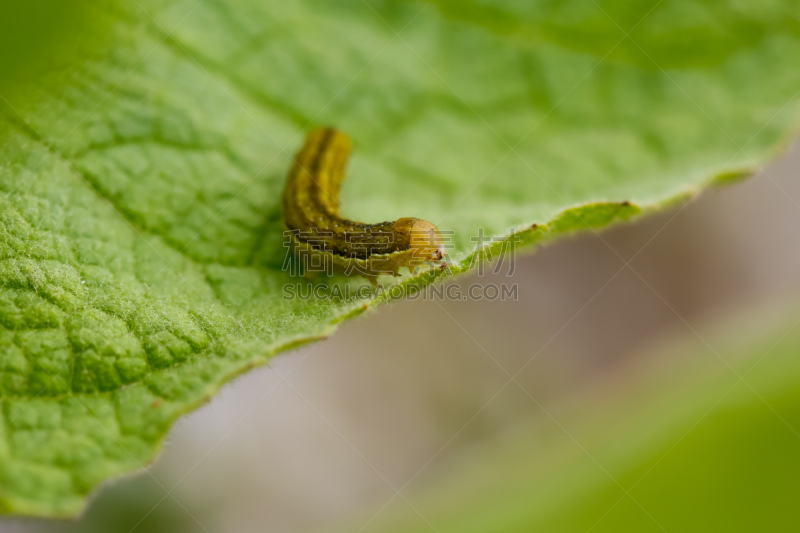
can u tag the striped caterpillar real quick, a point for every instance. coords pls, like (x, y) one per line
(311, 215)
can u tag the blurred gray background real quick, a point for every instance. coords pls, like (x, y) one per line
(325, 435)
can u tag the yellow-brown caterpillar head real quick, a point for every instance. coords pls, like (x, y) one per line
(424, 239)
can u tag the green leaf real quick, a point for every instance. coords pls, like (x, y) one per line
(144, 145)
(703, 438)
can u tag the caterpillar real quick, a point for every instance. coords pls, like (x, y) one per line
(312, 217)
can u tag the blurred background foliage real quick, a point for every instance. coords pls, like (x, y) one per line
(38, 35)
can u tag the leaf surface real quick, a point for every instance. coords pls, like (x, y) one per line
(144, 146)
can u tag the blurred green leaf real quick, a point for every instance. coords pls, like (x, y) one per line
(139, 504)
(145, 144)
(704, 438)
